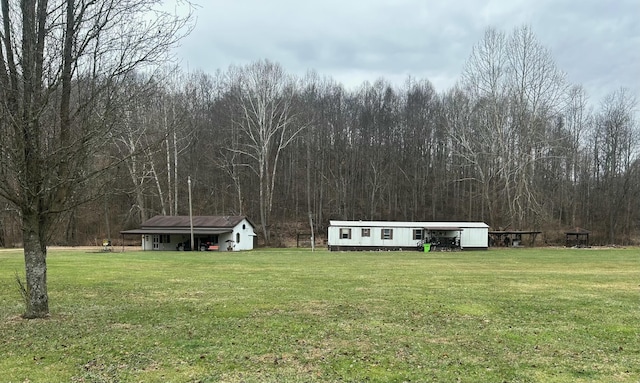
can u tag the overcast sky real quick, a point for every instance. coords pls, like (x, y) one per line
(595, 42)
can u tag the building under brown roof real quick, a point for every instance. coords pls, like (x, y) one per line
(215, 232)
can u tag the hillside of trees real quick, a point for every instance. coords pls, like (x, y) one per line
(513, 144)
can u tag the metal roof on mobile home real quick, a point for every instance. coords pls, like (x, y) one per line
(426, 225)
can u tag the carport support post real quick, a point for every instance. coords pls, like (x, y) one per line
(190, 214)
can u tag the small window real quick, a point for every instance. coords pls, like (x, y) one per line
(345, 233)
(387, 234)
(417, 234)
(366, 232)
(237, 237)
(165, 238)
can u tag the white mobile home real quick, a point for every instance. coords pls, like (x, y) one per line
(391, 235)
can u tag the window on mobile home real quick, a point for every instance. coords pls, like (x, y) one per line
(366, 232)
(345, 233)
(387, 234)
(417, 234)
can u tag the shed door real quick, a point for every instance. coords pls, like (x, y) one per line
(156, 242)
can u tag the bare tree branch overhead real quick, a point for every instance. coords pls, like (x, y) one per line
(62, 62)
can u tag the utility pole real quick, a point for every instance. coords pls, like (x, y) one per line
(190, 214)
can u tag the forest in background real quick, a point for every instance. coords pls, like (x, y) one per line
(513, 144)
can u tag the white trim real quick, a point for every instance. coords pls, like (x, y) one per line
(425, 225)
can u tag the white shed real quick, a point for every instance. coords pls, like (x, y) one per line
(210, 233)
(392, 235)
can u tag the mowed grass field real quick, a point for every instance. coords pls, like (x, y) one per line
(521, 315)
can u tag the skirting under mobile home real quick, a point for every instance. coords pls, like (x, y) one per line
(392, 235)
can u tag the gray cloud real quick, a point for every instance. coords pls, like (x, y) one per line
(596, 43)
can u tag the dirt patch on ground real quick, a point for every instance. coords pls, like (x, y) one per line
(97, 249)
(90, 249)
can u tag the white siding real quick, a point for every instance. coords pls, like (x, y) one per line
(420, 224)
(475, 238)
(244, 232)
(471, 234)
(400, 236)
(147, 242)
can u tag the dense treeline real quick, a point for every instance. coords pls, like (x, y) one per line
(513, 144)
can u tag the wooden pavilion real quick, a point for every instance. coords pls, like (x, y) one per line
(513, 238)
(577, 237)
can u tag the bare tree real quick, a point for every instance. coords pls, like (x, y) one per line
(173, 120)
(536, 89)
(482, 139)
(267, 119)
(59, 60)
(515, 88)
(615, 146)
(133, 140)
(577, 119)
(223, 153)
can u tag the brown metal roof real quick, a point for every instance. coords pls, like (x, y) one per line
(209, 222)
(161, 224)
(182, 230)
(578, 231)
(507, 232)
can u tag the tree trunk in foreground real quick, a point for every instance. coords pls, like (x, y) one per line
(59, 69)
(35, 254)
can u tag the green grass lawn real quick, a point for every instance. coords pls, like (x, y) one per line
(525, 315)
